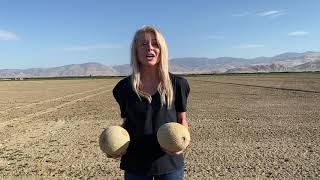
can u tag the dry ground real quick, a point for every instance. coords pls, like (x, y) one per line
(242, 126)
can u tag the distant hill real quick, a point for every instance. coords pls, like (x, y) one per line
(123, 69)
(309, 66)
(286, 62)
(279, 63)
(259, 68)
(87, 69)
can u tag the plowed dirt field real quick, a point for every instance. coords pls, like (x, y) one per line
(241, 126)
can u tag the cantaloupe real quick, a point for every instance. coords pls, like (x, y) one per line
(114, 140)
(173, 137)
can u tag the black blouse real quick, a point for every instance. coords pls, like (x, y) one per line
(144, 155)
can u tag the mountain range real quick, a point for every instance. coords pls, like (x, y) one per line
(286, 62)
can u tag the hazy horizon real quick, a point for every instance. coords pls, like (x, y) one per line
(129, 62)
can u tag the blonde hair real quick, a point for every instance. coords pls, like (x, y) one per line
(165, 87)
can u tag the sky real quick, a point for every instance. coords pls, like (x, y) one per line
(51, 33)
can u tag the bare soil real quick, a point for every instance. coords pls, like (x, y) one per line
(242, 126)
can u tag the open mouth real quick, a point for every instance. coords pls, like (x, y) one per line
(150, 56)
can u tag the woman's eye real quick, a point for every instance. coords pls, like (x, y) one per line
(154, 44)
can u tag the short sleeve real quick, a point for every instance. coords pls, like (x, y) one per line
(119, 93)
(182, 93)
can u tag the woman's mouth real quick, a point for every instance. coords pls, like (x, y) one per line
(150, 56)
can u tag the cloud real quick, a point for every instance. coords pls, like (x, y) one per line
(297, 33)
(273, 13)
(8, 36)
(249, 46)
(92, 47)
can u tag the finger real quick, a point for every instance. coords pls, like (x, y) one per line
(172, 153)
(108, 156)
(168, 152)
(179, 152)
(118, 158)
(123, 153)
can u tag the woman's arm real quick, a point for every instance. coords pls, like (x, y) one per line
(182, 119)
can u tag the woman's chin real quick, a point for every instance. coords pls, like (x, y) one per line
(150, 63)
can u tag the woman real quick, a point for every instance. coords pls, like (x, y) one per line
(149, 98)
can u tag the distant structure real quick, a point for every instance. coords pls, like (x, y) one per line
(19, 76)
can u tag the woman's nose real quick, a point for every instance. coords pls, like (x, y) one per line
(149, 47)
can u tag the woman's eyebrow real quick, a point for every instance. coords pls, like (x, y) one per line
(152, 40)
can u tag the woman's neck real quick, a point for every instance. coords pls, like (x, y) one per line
(150, 79)
(149, 74)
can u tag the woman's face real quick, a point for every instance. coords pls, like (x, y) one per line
(148, 50)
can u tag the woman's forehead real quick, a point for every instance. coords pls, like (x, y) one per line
(147, 36)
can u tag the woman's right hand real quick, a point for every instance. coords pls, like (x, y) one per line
(117, 157)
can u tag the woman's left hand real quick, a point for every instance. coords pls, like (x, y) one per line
(172, 153)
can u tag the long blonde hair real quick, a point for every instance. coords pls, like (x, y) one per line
(165, 87)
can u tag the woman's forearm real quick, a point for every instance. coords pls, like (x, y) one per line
(182, 119)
